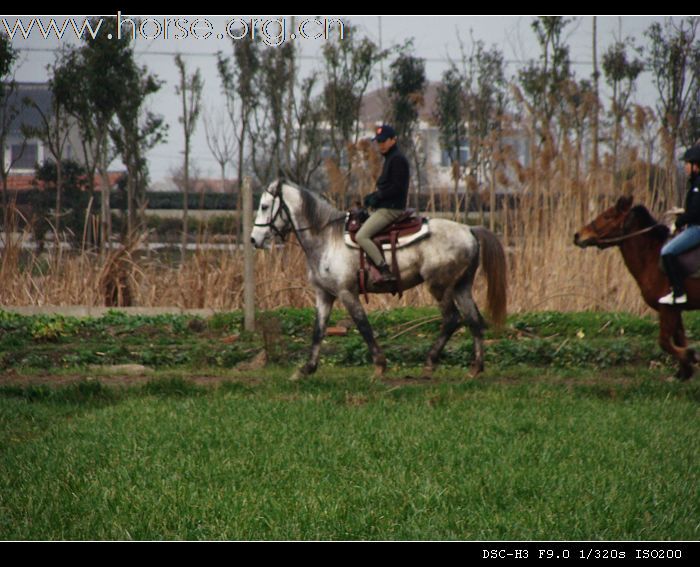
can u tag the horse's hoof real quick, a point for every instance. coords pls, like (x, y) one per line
(475, 371)
(297, 375)
(682, 376)
(379, 370)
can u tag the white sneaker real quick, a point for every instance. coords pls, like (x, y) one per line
(671, 299)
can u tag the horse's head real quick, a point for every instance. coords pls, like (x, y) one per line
(273, 217)
(608, 226)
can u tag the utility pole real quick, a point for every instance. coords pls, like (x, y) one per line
(381, 61)
(248, 258)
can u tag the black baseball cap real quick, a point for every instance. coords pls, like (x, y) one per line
(692, 154)
(383, 133)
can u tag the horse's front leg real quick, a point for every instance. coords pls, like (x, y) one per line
(672, 339)
(354, 307)
(324, 304)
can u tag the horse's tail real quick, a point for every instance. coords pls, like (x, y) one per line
(493, 261)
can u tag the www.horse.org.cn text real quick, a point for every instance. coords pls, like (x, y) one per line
(271, 31)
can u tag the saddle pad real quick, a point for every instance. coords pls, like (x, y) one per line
(402, 241)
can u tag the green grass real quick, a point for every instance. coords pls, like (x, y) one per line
(515, 456)
(595, 340)
(572, 433)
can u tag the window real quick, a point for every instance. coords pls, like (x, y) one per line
(24, 156)
(447, 156)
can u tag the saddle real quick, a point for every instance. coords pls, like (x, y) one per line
(409, 224)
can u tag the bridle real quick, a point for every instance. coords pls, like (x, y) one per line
(284, 232)
(277, 194)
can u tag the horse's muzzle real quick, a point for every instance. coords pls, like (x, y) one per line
(581, 243)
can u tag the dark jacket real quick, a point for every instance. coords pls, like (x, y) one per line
(392, 185)
(692, 204)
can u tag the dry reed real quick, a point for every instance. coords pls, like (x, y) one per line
(545, 270)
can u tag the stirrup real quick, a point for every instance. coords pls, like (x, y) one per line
(386, 273)
(671, 299)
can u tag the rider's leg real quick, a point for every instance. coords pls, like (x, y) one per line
(379, 220)
(686, 240)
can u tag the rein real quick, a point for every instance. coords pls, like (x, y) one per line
(624, 237)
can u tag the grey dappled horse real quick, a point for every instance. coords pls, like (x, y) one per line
(446, 261)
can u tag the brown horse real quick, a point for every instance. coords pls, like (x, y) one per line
(640, 238)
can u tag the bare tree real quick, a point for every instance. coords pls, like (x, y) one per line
(621, 73)
(674, 59)
(238, 76)
(221, 140)
(349, 65)
(407, 90)
(190, 91)
(451, 115)
(9, 110)
(595, 122)
(54, 130)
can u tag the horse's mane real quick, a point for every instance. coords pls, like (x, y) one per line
(642, 218)
(319, 213)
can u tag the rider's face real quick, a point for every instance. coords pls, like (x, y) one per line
(386, 145)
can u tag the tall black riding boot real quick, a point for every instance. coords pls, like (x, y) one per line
(674, 273)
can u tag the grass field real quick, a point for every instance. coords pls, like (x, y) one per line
(587, 444)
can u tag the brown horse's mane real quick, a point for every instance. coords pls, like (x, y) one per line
(642, 218)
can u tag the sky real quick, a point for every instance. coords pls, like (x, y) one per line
(435, 38)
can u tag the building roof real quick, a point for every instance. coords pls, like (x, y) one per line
(376, 104)
(25, 181)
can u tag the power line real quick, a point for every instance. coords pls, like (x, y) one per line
(300, 56)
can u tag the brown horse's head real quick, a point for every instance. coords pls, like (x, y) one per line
(608, 226)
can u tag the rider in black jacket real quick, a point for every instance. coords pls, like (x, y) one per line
(392, 185)
(690, 237)
(388, 201)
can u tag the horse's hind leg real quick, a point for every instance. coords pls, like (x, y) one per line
(472, 317)
(451, 321)
(354, 307)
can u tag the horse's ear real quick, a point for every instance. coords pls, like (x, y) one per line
(624, 203)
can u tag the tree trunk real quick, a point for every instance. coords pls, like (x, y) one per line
(185, 203)
(596, 76)
(59, 190)
(106, 211)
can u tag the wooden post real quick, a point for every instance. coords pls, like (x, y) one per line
(249, 272)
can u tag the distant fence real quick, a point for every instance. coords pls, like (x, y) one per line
(172, 200)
